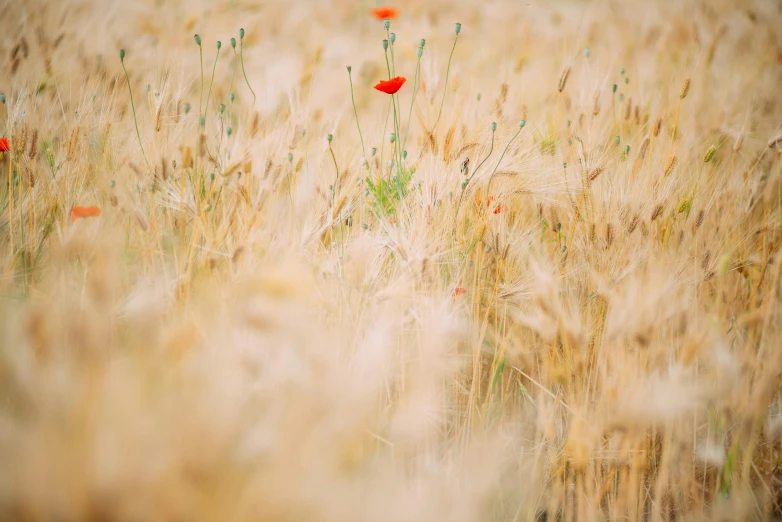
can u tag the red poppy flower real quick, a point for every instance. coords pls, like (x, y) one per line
(391, 86)
(384, 13)
(4, 147)
(500, 208)
(84, 212)
(459, 291)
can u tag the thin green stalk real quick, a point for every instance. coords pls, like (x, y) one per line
(397, 152)
(491, 149)
(412, 101)
(391, 44)
(383, 137)
(201, 60)
(233, 74)
(336, 178)
(214, 68)
(132, 105)
(445, 93)
(241, 58)
(521, 126)
(355, 112)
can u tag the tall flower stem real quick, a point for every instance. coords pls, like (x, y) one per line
(355, 112)
(132, 105)
(241, 57)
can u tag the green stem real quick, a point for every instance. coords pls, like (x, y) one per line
(214, 68)
(397, 152)
(201, 99)
(491, 149)
(133, 106)
(488, 187)
(336, 178)
(241, 57)
(233, 74)
(412, 102)
(383, 137)
(355, 112)
(445, 93)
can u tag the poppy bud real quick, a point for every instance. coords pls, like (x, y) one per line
(232, 97)
(422, 43)
(219, 44)
(201, 121)
(627, 149)
(622, 71)
(390, 164)
(404, 154)
(587, 52)
(392, 137)
(290, 157)
(613, 88)
(385, 45)
(419, 52)
(329, 138)
(241, 34)
(617, 140)
(522, 123)
(197, 40)
(386, 24)
(350, 69)
(2, 98)
(457, 28)
(122, 54)
(112, 183)
(233, 43)
(392, 37)
(374, 151)
(221, 108)
(493, 126)
(229, 131)
(187, 108)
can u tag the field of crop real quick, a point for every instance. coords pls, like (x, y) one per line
(533, 277)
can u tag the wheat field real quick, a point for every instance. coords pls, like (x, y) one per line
(540, 282)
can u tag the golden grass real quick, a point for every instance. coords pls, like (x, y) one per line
(587, 329)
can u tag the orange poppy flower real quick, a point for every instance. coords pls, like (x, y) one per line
(384, 13)
(4, 147)
(391, 86)
(500, 208)
(459, 291)
(84, 212)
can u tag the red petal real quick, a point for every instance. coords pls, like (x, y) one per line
(383, 13)
(84, 212)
